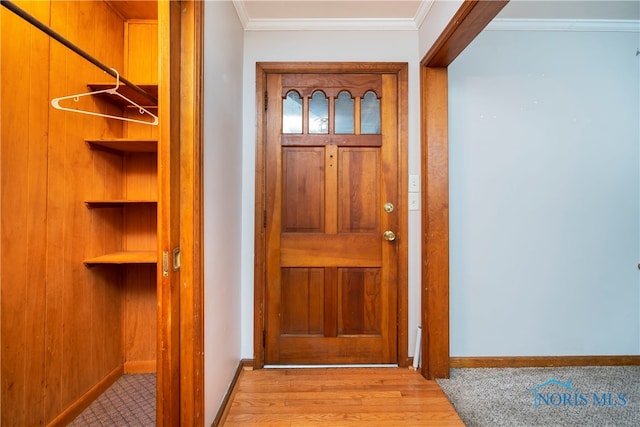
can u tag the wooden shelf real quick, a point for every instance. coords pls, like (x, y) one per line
(151, 89)
(91, 204)
(137, 257)
(125, 145)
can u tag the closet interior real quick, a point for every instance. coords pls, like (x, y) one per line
(78, 207)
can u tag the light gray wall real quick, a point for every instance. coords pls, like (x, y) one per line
(223, 44)
(544, 194)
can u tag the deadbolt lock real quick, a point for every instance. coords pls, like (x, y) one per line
(388, 207)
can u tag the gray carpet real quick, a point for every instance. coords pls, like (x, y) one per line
(130, 401)
(573, 396)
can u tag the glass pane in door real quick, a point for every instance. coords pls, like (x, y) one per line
(370, 114)
(292, 113)
(318, 113)
(344, 113)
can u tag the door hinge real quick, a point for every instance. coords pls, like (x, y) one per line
(264, 339)
(264, 219)
(266, 100)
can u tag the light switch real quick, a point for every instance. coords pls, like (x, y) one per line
(414, 201)
(414, 183)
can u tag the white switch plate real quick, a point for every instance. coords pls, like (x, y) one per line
(414, 183)
(414, 201)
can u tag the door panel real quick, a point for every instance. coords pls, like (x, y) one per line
(359, 190)
(330, 250)
(303, 189)
(302, 298)
(331, 291)
(359, 305)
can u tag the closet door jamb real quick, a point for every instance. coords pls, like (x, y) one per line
(168, 275)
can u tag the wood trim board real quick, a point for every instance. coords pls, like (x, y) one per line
(472, 17)
(168, 290)
(542, 361)
(231, 391)
(76, 408)
(140, 367)
(435, 225)
(191, 215)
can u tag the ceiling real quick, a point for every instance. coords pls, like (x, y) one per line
(331, 9)
(385, 14)
(409, 14)
(139, 9)
(331, 14)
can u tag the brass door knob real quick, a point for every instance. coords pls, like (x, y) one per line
(389, 235)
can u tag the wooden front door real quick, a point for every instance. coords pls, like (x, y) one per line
(331, 212)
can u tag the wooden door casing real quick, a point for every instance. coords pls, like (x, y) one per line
(470, 19)
(332, 281)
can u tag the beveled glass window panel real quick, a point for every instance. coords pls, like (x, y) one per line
(344, 113)
(292, 113)
(370, 114)
(318, 113)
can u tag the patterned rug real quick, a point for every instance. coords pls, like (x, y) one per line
(572, 396)
(130, 401)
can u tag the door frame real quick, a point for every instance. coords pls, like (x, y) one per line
(180, 344)
(264, 68)
(470, 19)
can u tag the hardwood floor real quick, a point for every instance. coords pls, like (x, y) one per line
(372, 397)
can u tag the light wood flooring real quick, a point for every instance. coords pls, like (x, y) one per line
(372, 397)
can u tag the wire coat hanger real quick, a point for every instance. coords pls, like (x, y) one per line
(112, 91)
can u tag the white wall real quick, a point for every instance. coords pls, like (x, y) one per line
(544, 194)
(383, 46)
(222, 199)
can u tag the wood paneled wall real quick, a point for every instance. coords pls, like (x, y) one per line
(141, 170)
(23, 216)
(141, 46)
(61, 322)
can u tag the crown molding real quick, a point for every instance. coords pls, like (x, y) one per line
(360, 24)
(423, 11)
(595, 25)
(409, 24)
(330, 25)
(241, 10)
